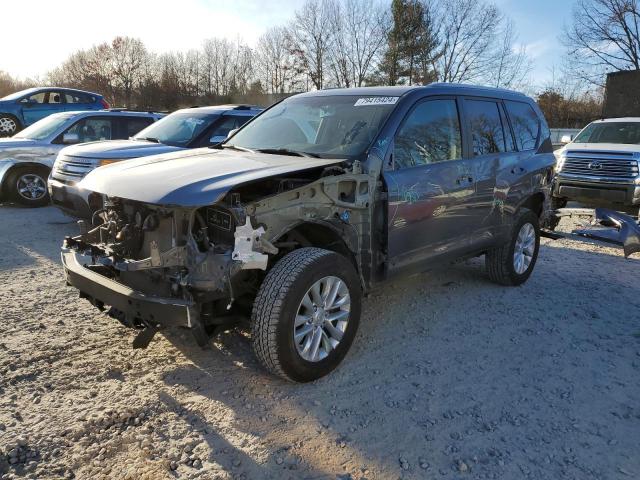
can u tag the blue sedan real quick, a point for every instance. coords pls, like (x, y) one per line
(21, 109)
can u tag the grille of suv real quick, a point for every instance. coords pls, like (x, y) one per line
(622, 165)
(72, 169)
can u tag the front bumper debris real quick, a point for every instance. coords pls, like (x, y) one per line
(606, 226)
(134, 309)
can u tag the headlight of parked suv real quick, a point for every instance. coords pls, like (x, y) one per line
(560, 159)
(107, 161)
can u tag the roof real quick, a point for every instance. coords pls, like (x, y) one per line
(223, 108)
(621, 119)
(119, 113)
(400, 90)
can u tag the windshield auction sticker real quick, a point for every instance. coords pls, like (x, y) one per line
(361, 102)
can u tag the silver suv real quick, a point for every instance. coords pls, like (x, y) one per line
(601, 165)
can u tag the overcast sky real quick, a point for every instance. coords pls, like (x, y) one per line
(44, 32)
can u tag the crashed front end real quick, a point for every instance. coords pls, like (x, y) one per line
(160, 266)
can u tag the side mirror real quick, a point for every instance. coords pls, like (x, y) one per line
(232, 132)
(70, 138)
(565, 139)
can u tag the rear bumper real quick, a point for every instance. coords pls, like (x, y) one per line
(137, 308)
(69, 198)
(605, 193)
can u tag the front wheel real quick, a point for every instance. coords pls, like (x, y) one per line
(306, 314)
(513, 262)
(9, 125)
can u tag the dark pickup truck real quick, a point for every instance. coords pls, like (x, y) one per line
(313, 203)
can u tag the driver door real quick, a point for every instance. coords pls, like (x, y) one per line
(431, 188)
(40, 105)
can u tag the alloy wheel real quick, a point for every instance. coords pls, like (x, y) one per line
(31, 186)
(322, 318)
(8, 126)
(524, 248)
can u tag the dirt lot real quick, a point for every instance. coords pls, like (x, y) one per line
(450, 377)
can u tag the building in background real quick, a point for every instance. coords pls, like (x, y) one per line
(622, 95)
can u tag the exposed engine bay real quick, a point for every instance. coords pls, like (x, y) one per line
(211, 259)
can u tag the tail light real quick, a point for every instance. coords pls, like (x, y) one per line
(104, 103)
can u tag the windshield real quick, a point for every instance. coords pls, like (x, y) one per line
(45, 127)
(610, 132)
(341, 126)
(178, 129)
(17, 95)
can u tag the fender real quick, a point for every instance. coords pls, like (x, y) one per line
(7, 164)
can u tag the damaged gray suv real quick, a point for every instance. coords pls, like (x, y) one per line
(312, 204)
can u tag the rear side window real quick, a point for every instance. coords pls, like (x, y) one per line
(487, 131)
(76, 97)
(526, 124)
(430, 134)
(134, 125)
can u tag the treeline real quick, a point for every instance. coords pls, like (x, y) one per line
(327, 43)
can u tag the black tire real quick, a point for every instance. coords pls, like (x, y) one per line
(16, 181)
(499, 261)
(276, 306)
(9, 125)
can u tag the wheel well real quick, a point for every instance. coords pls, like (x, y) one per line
(315, 235)
(534, 203)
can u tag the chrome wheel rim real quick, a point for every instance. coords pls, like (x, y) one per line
(7, 125)
(31, 186)
(322, 318)
(524, 248)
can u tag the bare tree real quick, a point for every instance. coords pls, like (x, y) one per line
(359, 34)
(128, 57)
(275, 63)
(604, 35)
(311, 34)
(511, 64)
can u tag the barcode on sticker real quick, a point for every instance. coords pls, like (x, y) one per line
(375, 101)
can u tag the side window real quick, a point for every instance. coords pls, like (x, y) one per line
(44, 97)
(486, 127)
(526, 125)
(92, 129)
(135, 124)
(430, 133)
(77, 97)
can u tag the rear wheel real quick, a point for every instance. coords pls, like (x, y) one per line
(28, 186)
(306, 314)
(513, 262)
(9, 125)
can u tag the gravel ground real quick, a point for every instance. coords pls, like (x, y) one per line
(450, 377)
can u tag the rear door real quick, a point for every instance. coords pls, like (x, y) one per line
(76, 101)
(495, 165)
(431, 186)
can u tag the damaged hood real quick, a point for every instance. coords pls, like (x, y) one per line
(119, 149)
(192, 178)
